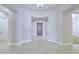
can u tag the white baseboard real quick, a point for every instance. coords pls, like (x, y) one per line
(55, 42)
(12, 43)
(24, 42)
(20, 43)
(67, 43)
(60, 42)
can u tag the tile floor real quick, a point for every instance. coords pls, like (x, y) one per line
(38, 47)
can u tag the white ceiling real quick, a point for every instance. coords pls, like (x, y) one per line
(76, 11)
(47, 7)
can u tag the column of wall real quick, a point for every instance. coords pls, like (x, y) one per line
(67, 27)
(12, 28)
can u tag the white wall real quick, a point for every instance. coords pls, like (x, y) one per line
(21, 25)
(75, 25)
(3, 29)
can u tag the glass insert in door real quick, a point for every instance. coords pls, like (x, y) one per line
(39, 29)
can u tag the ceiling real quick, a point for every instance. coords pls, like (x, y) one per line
(33, 7)
(76, 11)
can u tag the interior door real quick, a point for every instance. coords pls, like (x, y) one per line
(39, 29)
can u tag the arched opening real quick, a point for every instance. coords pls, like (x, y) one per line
(3, 26)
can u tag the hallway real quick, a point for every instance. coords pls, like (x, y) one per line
(51, 22)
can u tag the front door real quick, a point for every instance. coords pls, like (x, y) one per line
(39, 29)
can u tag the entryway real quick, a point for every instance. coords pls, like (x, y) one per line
(39, 27)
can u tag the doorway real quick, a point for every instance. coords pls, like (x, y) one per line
(75, 28)
(39, 29)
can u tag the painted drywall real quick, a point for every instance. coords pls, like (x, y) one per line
(21, 27)
(12, 17)
(3, 29)
(75, 25)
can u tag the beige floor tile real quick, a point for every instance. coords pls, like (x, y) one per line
(38, 47)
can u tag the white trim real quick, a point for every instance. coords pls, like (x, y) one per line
(67, 43)
(55, 42)
(24, 42)
(12, 43)
(20, 43)
(60, 42)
